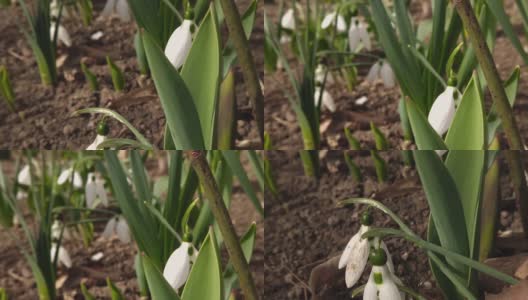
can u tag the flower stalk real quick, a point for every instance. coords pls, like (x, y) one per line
(234, 25)
(216, 203)
(504, 110)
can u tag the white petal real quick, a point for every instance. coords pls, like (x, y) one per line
(109, 228)
(288, 20)
(98, 140)
(388, 290)
(328, 20)
(357, 260)
(64, 176)
(373, 73)
(178, 266)
(319, 73)
(55, 230)
(23, 176)
(77, 180)
(443, 111)
(341, 24)
(328, 101)
(387, 75)
(21, 195)
(317, 95)
(371, 289)
(54, 9)
(90, 190)
(364, 36)
(122, 10)
(353, 37)
(346, 253)
(109, 8)
(62, 36)
(63, 256)
(284, 39)
(122, 230)
(179, 44)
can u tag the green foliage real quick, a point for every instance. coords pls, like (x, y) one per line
(90, 77)
(118, 78)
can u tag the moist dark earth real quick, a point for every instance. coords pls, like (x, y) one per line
(382, 105)
(118, 260)
(305, 227)
(44, 115)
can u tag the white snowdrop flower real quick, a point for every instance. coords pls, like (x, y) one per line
(358, 33)
(443, 110)
(119, 7)
(179, 264)
(361, 100)
(328, 100)
(117, 226)
(54, 9)
(24, 177)
(355, 257)
(63, 255)
(179, 44)
(56, 228)
(285, 38)
(98, 140)
(381, 285)
(288, 20)
(381, 70)
(320, 74)
(330, 19)
(95, 189)
(62, 36)
(66, 175)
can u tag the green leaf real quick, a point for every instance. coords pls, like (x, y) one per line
(86, 294)
(205, 279)
(425, 136)
(226, 120)
(233, 160)
(115, 293)
(467, 132)
(180, 112)
(201, 74)
(160, 289)
(117, 75)
(444, 203)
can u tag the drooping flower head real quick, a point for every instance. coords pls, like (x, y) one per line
(381, 284)
(442, 112)
(180, 41)
(117, 226)
(331, 19)
(102, 132)
(94, 190)
(381, 70)
(179, 264)
(118, 7)
(358, 34)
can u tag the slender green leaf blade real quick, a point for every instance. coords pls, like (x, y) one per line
(160, 289)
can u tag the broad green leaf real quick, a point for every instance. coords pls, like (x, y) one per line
(467, 132)
(247, 243)
(181, 114)
(205, 279)
(444, 203)
(467, 169)
(425, 136)
(201, 74)
(233, 160)
(159, 288)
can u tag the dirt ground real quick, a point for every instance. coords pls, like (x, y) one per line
(382, 105)
(117, 263)
(47, 112)
(305, 227)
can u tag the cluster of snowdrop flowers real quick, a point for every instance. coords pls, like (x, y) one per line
(180, 41)
(381, 70)
(326, 97)
(443, 110)
(102, 132)
(382, 283)
(179, 264)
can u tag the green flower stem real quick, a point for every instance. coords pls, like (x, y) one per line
(485, 59)
(498, 94)
(245, 58)
(216, 203)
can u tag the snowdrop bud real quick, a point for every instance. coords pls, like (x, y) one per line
(24, 177)
(443, 110)
(179, 44)
(330, 19)
(63, 255)
(288, 20)
(328, 100)
(179, 264)
(62, 36)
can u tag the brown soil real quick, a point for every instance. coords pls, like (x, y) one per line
(118, 260)
(382, 105)
(305, 227)
(48, 122)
